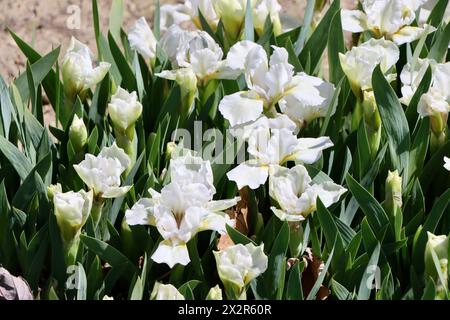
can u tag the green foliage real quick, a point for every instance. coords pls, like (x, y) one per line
(357, 238)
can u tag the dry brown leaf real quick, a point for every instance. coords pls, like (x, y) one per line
(13, 288)
(240, 214)
(314, 266)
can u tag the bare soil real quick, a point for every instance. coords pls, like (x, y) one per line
(48, 24)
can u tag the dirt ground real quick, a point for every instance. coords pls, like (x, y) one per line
(48, 24)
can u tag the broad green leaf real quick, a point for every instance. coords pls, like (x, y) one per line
(187, 289)
(419, 149)
(294, 290)
(336, 45)
(316, 44)
(128, 78)
(339, 290)
(49, 81)
(430, 225)
(96, 22)
(40, 69)
(373, 210)
(329, 228)
(157, 20)
(365, 286)
(116, 18)
(437, 14)
(274, 277)
(439, 49)
(307, 19)
(82, 283)
(138, 290)
(238, 237)
(108, 253)
(21, 164)
(249, 33)
(394, 121)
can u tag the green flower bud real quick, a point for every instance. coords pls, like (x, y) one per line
(187, 80)
(78, 134)
(393, 191)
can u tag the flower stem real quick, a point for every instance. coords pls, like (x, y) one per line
(128, 142)
(96, 212)
(71, 250)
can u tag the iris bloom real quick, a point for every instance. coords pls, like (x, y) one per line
(437, 100)
(142, 40)
(268, 146)
(182, 209)
(124, 109)
(102, 173)
(195, 50)
(72, 210)
(79, 74)
(358, 63)
(296, 193)
(272, 81)
(238, 265)
(390, 19)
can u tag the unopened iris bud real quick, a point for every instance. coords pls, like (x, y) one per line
(393, 200)
(72, 210)
(215, 293)
(238, 265)
(79, 74)
(438, 244)
(165, 292)
(187, 80)
(78, 134)
(124, 109)
(52, 190)
(232, 14)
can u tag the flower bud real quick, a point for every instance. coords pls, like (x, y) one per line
(439, 244)
(52, 190)
(238, 265)
(142, 40)
(393, 193)
(78, 134)
(170, 148)
(232, 14)
(78, 72)
(165, 292)
(261, 10)
(124, 109)
(215, 293)
(187, 80)
(358, 64)
(72, 210)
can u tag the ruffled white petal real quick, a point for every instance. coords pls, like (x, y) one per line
(249, 175)
(241, 107)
